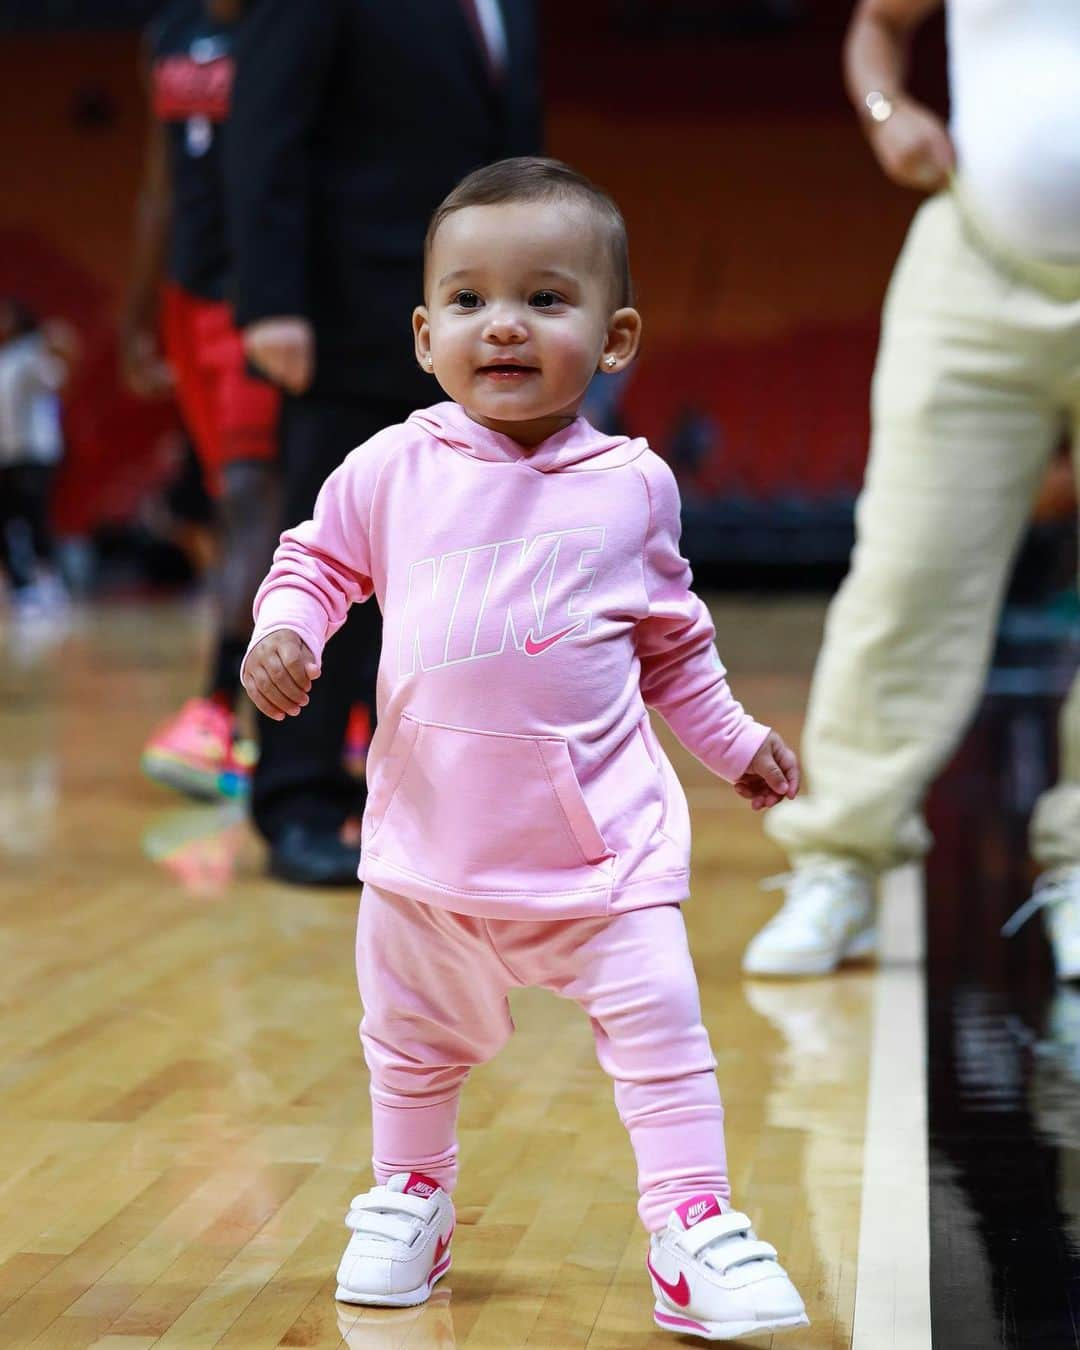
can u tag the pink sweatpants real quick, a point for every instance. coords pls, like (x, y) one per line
(434, 985)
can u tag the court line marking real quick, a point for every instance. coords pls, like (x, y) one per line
(892, 1287)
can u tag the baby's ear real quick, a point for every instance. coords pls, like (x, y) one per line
(623, 339)
(422, 337)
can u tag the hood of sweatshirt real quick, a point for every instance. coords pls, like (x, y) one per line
(576, 448)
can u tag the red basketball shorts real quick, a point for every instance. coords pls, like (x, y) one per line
(230, 415)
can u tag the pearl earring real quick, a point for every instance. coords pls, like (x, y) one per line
(610, 361)
(428, 358)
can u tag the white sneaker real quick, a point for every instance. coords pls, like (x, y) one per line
(1057, 894)
(715, 1279)
(400, 1244)
(827, 917)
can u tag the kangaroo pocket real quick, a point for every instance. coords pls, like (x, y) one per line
(477, 813)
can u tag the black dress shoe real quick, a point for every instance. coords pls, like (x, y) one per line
(308, 856)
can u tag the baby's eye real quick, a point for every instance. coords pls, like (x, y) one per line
(467, 300)
(545, 300)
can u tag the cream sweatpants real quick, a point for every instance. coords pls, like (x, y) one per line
(434, 986)
(977, 378)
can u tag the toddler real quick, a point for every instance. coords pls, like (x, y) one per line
(523, 825)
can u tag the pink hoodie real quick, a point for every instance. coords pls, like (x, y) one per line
(535, 602)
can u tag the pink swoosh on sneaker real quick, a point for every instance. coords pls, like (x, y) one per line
(534, 648)
(441, 1246)
(679, 1293)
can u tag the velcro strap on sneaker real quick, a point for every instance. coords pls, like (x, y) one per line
(373, 1224)
(728, 1255)
(723, 1242)
(397, 1202)
(712, 1230)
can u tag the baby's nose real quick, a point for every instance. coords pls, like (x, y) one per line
(505, 326)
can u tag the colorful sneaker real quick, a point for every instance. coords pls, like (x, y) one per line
(400, 1243)
(714, 1278)
(827, 917)
(195, 752)
(235, 778)
(1057, 894)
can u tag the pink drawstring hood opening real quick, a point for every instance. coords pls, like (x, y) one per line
(575, 447)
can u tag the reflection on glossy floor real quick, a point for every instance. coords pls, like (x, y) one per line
(1004, 1065)
(183, 1097)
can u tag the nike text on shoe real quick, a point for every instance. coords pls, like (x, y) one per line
(827, 917)
(400, 1242)
(714, 1278)
(1057, 894)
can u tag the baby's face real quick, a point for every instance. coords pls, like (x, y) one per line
(519, 313)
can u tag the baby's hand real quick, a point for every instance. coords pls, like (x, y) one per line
(278, 674)
(773, 775)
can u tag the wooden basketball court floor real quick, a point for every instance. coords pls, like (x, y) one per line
(183, 1112)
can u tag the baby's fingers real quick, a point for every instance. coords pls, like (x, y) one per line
(753, 789)
(298, 661)
(771, 772)
(263, 704)
(295, 692)
(789, 763)
(264, 693)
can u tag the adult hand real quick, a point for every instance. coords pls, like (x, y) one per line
(913, 147)
(772, 775)
(278, 674)
(142, 367)
(284, 350)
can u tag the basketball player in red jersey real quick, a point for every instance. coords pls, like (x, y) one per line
(178, 296)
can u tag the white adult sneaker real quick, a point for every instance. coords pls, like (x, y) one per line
(714, 1278)
(400, 1243)
(1057, 894)
(827, 917)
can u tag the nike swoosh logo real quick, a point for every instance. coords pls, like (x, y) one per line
(679, 1293)
(441, 1246)
(534, 648)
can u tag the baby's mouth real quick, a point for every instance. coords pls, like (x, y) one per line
(507, 370)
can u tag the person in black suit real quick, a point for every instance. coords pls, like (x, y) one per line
(350, 121)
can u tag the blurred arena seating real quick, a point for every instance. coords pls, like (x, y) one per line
(762, 236)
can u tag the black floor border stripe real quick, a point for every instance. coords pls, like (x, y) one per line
(1003, 1077)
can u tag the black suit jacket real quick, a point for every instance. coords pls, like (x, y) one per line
(350, 121)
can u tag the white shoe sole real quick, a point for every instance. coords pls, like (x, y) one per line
(862, 946)
(202, 785)
(722, 1331)
(409, 1299)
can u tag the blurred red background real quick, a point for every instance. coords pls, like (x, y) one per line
(762, 233)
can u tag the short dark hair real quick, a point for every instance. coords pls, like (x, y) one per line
(531, 178)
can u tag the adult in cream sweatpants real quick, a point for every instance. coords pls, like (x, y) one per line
(978, 378)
